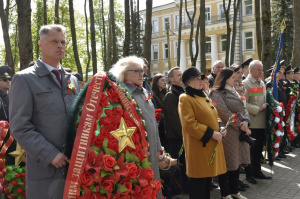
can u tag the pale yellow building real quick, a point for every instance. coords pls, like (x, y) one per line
(168, 14)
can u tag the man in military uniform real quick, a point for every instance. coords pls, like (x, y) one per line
(245, 68)
(297, 75)
(4, 87)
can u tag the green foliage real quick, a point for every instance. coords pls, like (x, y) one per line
(145, 163)
(282, 9)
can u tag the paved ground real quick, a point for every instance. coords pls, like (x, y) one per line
(285, 183)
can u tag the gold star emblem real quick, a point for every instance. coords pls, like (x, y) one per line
(19, 155)
(123, 134)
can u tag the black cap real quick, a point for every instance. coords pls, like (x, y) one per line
(270, 69)
(246, 63)
(297, 70)
(5, 71)
(191, 73)
(79, 77)
(282, 63)
(288, 69)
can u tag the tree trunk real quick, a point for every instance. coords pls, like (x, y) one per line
(109, 47)
(74, 39)
(202, 37)
(179, 33)
(113, 31)
(38, 26)
(133, 28)
(296, 16)
(191, 19)
(56, 20)
(236, 6)
(25, 38)
(148, 33)
(138, 28)
(227, 15)
(266, 35)
(93, 37)
(87, 43)
(8, 52)
(258, 28)
(45, 12)
(104, 38)
(126, 46)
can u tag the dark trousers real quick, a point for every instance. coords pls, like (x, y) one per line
(256, 150)
(174, 146)
(200, 188)
(228, 182)
(283, 143)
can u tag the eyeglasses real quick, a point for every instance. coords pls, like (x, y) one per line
(137, 71)
(5, 79)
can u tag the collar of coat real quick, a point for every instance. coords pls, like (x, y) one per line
(191, 92)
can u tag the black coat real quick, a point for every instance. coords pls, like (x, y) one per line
(3, 106)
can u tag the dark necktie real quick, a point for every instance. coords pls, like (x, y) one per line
(57, 74)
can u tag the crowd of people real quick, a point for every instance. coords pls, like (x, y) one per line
(194, 127)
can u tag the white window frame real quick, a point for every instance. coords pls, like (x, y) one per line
(176, 23)
(164, 24)
(221, 40)
(153, 31)
(208, 21)
(164, 50)
(244, 40)
(207, 42)
(244, 8)
(152, 52)
(187, 18)
(175, 48)
(154, 73)
(220, 10)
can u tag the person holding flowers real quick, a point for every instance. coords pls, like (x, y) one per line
(201, 133)
(229, 102)
(130, 71)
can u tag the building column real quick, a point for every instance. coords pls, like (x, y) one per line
(182, 56)
(214, 48)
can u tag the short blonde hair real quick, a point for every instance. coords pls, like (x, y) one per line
(119, 69)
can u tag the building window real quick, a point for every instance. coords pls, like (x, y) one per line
(223, 42)
(166, 51)
(155, 52)
(177, 19)
(175, 49)
(166, 23)
(248, 7)
(191, 12)
(154, 26)
(207, 15)
(208, 45)
(222, 11)
(249, 40)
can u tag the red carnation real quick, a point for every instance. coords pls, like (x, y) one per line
(243, 98)
(20, 190)
(273, 131)
(113, 95)
(118, 111)
(23, 175)
(278, 139)
(18, 175)
(14, 183)
(105, 121)
(235, 115)
(279, 127)
(234, 121)
(104, 101)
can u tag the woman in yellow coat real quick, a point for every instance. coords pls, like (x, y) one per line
(200, 129)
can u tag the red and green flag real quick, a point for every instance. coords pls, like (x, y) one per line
(256, 91)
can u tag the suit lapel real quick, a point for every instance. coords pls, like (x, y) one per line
(43, 71)
(65, 78)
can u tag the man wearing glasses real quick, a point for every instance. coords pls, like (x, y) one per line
(4, 87)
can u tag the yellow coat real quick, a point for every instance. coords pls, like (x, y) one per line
(196, 115)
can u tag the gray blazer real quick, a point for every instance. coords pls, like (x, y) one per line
(38, 109)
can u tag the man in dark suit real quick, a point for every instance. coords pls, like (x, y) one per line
(245, 68)
(218, 65)
(40, 100)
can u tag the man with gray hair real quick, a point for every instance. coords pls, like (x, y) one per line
(39, 106)
(256, 106)
(218, 65)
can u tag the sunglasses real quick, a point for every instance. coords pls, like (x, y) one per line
(137, 71)
(5, 79)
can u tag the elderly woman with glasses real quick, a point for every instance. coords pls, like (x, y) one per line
(201, 133)
(130, 71)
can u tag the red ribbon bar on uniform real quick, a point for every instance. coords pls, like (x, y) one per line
(256, 91)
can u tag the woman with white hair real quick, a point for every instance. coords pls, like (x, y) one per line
(130, 71)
